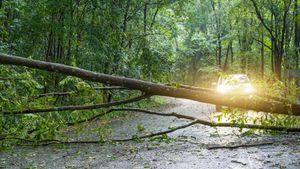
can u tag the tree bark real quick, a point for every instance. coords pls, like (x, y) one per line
(157, 89)
(226, 58)
(262, 51)
(231, 53)
(145, 16)
(297, 34)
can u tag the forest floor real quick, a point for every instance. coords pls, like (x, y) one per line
(187, 148)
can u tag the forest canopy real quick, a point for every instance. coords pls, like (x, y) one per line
(156, 40)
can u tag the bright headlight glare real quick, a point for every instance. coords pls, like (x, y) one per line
(249, 89)
(222, 89)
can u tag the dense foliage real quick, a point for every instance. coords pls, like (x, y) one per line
(153, 39)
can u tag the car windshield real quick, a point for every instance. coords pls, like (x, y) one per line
(236, 80)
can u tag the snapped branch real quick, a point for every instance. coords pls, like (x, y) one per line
(75, 107)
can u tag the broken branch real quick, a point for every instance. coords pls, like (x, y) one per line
(76, 107)
(198, 121)
(55, 141)
(239, 145)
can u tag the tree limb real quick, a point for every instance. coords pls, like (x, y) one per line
(263, 43)
(55, 141)
(52, 94)
(213, 124)
(195, 121)
(159, 133)
(157, 89)
(200, 121)
(132, 110)
(260, 17)
(111, 88)
(212, 147)
(72, 92)
(76, 107)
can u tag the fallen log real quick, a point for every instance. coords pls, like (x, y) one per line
(157, 89)
(259, 93)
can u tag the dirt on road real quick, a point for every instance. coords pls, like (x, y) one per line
(187, 148)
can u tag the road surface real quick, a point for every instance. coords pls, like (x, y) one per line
(188, 148)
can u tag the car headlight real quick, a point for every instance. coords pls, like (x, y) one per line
(249, 89)
(222, 89)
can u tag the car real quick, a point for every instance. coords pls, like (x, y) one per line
(234, 85)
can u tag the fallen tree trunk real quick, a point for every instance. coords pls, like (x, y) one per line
(259, 93)
(157, 89)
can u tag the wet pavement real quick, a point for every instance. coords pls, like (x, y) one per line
(187, 148)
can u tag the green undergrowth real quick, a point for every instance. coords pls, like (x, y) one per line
(19, 91)
(50, 125)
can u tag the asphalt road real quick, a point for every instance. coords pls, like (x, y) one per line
(188, 148)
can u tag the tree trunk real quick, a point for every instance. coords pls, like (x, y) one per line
(277, 64)
(157, 89)
(231, 53)
(226, 58)
(145, 16)
(219, 51)
(297, 35)
(125, 20)
(262, 56)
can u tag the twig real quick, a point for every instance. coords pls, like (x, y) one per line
(8, 78)
(160, 133)
(72, 92)
(89, 119)
(111, 88)
(75, 107)
(239, 145)
(132, 110)
(52, 94)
